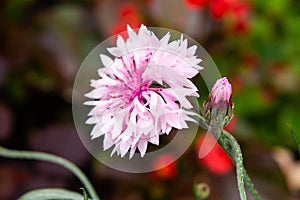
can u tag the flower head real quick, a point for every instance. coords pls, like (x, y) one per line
(142, 91)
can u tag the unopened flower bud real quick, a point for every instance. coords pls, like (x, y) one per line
(218, 107)
(220, 94)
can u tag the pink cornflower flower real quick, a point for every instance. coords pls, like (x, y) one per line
(142, 92)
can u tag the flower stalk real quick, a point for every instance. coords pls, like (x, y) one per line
(231, 146)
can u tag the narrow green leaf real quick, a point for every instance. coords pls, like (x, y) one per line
(34, 155)
(51, 194)
(295, 138)
(85, 195)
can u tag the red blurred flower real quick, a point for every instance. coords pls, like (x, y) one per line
(231, 125)
(237, 82)
(251, 61)
(237, 10)
(195, 4)
(217, 160)
(240, 13)
(219, 8)
(127, 14)
(167, 172)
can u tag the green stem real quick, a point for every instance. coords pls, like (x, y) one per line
(31, 155)
(231, 146)
(251, 186)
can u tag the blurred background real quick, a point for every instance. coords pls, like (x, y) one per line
(254, 43)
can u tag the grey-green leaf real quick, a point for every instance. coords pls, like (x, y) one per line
(51, 194)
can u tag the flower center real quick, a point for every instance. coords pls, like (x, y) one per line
(138, 93)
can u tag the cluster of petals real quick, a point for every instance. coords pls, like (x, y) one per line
(142, 91)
